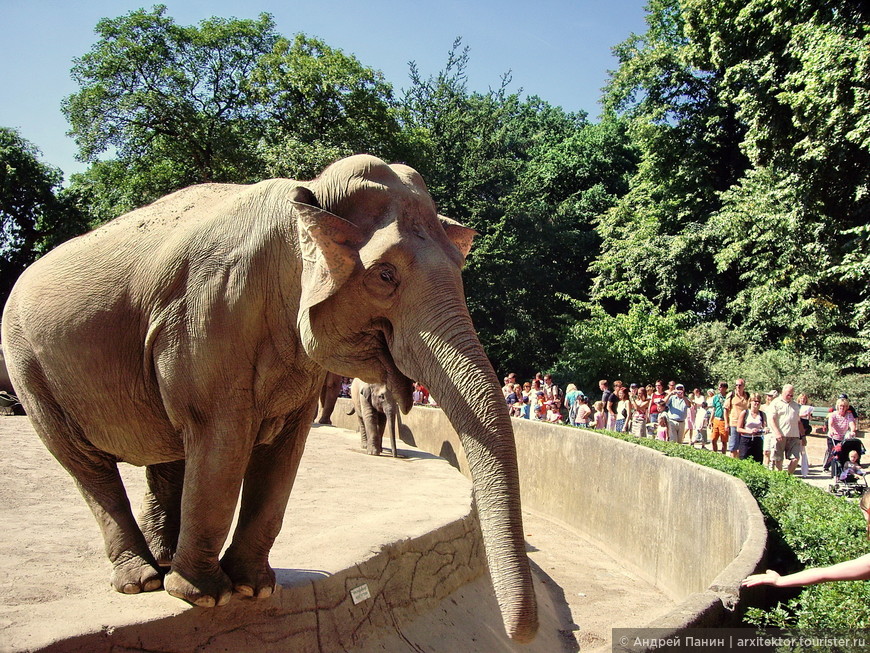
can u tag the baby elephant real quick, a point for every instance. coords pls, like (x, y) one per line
(375, 408)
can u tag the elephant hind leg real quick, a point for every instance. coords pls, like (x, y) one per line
(96, 475)
(161, 509)
(363, 436)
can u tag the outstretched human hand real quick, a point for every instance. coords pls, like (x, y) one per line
(770, 577)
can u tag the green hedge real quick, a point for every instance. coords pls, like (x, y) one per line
(808, 528)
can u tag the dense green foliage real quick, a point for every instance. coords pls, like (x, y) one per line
(808, 528)
(713, 223)
(750, 201)
(33, 217)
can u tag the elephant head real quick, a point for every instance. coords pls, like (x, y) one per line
(382, 299)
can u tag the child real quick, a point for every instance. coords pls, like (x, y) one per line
(852, 468)
(554, 415)
(662, 430)
(701, 418)
(583, 412)
(600, 415)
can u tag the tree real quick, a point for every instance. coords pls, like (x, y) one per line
(653, 241)
(318, 104)
(529, 178)
(228, 100)
(750, 119)
(154, 89)
(32, 217)
(797, 75)
(641, 345)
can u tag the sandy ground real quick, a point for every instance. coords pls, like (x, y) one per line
(593, 592)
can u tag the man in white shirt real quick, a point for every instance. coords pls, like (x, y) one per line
(785, 425)
(677, 409)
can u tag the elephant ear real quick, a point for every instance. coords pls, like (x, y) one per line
(329, 246)
(459, 234)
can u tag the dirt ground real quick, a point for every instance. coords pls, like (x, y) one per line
(596, 592)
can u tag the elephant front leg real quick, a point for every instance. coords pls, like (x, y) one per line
(161, 509)
(215, 465)
(371, 427)
(268, 482)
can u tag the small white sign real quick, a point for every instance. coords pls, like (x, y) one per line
(360, 594)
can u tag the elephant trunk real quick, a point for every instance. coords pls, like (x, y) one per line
(446, 354)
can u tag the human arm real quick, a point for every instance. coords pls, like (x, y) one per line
(857, 569)
(850, 428)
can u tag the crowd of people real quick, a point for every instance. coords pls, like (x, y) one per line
(769, 429)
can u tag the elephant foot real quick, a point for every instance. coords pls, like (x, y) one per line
(136, 575)
(206, 590)
(250, 577)
(373, 451)
(325, 421)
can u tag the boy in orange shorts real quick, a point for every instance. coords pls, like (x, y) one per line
(718, 427)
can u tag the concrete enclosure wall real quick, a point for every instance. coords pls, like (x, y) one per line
(693, 532)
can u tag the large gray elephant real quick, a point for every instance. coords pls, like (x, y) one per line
(377, 412)
(192, 336)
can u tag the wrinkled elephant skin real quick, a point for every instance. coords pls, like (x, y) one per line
(193, 336)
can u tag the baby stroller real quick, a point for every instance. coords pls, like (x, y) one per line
(854, 485)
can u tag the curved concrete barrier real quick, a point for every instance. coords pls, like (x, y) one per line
(693, 532)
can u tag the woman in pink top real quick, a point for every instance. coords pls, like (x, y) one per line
(841, 422)
(841, 426)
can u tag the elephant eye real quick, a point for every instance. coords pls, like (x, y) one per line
(388, 274)
(382, 280)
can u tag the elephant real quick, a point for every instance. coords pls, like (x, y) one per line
(376, 410)
(328, 396)
(192, 336)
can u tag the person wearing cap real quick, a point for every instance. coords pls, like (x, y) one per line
(735, 404)
(786, 426)
(677, 408)
(539, 407)
(718, 430)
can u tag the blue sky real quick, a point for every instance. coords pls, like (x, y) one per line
(559, 50)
